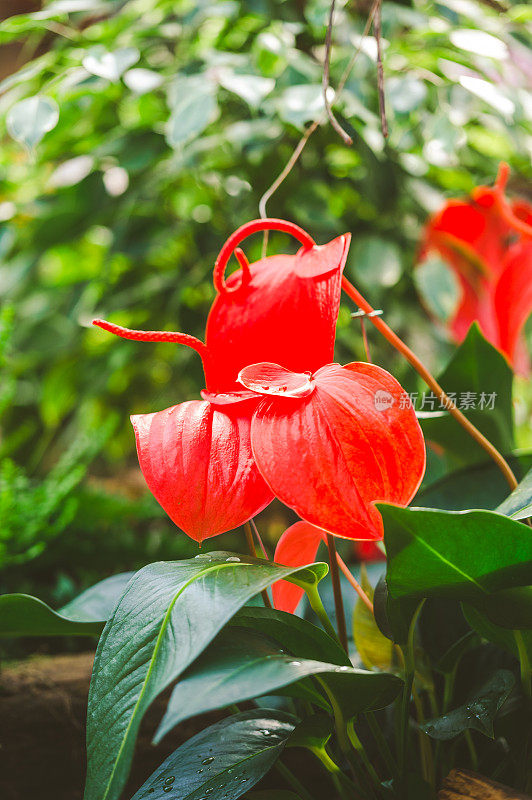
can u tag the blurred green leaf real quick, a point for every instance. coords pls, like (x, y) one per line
(29, 119)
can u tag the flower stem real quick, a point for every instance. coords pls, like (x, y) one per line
(317, 606)
(359, 747)
(337, 590)
(354, 583)
(384, 747)
(524, 662)
(403, 737)
(343, 785)
(253, 552)
(431, 382)
(294, 782)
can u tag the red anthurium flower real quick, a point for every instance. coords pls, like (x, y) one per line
(198, 464)
(281, 309)
(196, 457)
(347, 441)
(487, 242)
(297, 547)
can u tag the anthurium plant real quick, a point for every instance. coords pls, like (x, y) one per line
(329, 683)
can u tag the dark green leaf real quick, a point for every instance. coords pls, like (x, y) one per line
(303, 640)
(23, 615)
(503, 637)
(224, 761)
(444, 632)
(241, 664)
(478, 714)
(393, 616)
(475, 486)
(168, 615)
(479, 368)
(313, 732)
(465, 555)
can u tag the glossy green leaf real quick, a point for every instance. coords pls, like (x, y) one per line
(313, 732)
(168, 615)
(466, 555)
(502, 637)
(478, 375)
(29, 119)
(519, 504)
(356, 691)
(23, 615)
(393, 616)
(224, 761)
(444, 633)
(478, 713)
(241, 664)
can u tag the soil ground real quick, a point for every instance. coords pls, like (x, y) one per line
(43, 705)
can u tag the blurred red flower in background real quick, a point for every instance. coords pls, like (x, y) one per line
(487, 242)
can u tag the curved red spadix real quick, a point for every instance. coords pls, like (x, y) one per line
(354, 441)
(281, 309)
(297, 547)
(198, 464)
(487, 241)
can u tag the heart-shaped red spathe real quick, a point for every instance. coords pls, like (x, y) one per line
(331, 455)
(197, 462)
(297, 547)
(283, 309)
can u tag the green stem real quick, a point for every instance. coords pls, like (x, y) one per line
(318, 608)
(294, 782)
(524, 662)
(384, 747)
(344, 786)
(404, 709)
(359, 747)
(472, 750)
(339, 720)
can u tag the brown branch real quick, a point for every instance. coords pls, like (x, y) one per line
(325, 82)
(292, 161)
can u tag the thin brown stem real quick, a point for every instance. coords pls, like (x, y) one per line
(292, 161)
(380, 71)
(354, 583)
(337, 590)
(325, 82)
(431, 381)
(253, 552)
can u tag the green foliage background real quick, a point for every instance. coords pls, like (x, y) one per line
(173, 119)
